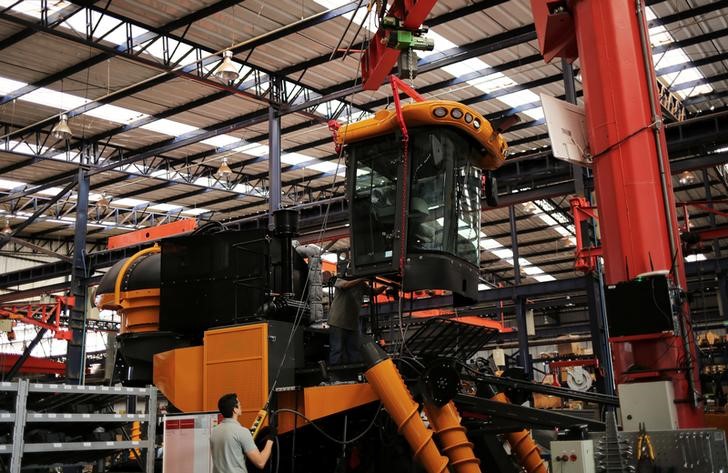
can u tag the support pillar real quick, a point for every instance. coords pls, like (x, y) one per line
(274, 160)
(76, 355)
(519, 302)
(600, 333)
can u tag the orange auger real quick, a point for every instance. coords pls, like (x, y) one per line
(446, 422)
(387, 383)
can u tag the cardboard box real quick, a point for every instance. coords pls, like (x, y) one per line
(544, 401)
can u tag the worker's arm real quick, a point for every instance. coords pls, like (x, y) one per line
(344, 284)
(258, 457)
(378, 290)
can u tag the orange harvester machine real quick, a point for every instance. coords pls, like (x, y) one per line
(208, 314)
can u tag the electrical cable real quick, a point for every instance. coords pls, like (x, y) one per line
(621, 142)
(299, 312)
(331, 438)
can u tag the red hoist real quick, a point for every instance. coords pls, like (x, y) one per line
(638, 223)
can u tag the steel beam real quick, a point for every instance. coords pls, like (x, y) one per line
(15, 369)
(75, 364)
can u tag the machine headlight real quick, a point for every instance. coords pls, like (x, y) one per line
(476, 124)
(440, 112)
(468, 118)
(456, 113)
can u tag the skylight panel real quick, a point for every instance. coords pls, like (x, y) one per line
(326, 166)
(54, 99)
(698, 90)
(687, 75)
(522, 97)
(9, 85)
(116, 114)
(182, 51)
(532, 270)
(253, 149)
(77, 22)
(464, 67)
(503, 253)
(129, 202)
(33, 8)
(489, 244)
(659, 36)
(669, 58)
(195, 212)
(169, 127)
(53, 191)
(156, 48)
(105, 24)
(8, 184)
(544, 278)
(295, 158)
(492, 82)
(164, 207)
(219, 141)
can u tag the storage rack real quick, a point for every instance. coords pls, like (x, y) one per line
(64, 397)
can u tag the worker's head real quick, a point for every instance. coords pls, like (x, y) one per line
(228, 405)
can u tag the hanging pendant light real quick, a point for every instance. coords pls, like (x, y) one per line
(103, 202)
(7, 229)
(227, 70)
(687, 177)
(224, 169)
(61, 130)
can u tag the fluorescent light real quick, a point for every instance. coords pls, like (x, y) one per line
(694, 258)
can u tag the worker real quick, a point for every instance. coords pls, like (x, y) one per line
(230, 442)
(344, 319)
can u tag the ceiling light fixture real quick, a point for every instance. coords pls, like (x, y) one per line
(7, 229)
(687, 177)
(103, 202)
(224, 169)
(227, 70)
(61, 130)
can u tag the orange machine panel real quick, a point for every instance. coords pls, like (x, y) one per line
(236, 361)
(322, 401)
(177, 374)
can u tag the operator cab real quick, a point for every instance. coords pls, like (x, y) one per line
(415, 218)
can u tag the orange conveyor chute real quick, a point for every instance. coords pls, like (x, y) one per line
(454, 442)
(524, 447)
(387, 383)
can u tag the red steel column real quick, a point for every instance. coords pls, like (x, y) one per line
(634, 226)
(631, 207)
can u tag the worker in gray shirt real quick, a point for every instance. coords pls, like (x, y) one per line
(344, 319)
(230, 442)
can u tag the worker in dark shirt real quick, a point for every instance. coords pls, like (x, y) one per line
(230, 442)
(344, 319)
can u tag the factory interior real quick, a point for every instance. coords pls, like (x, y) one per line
(426, 236)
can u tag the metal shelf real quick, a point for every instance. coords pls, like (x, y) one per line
(70, 388)
(78, 446)
(63, 397)
(50, 417)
